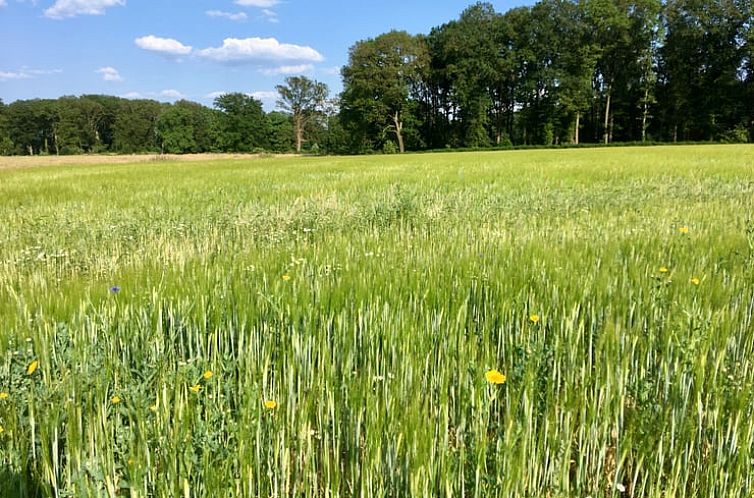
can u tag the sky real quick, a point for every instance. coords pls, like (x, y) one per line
(193, 49)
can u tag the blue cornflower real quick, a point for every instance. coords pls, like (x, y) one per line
(114, 289)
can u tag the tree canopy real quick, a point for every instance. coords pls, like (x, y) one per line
(556, 72)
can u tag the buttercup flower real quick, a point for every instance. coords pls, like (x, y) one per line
(270, 404)
(495, 377)
(32, 367)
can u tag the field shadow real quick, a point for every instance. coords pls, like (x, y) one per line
(18, 485)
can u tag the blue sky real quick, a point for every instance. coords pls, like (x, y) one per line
(194, 49)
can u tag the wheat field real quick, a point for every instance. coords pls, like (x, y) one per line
(568, 323)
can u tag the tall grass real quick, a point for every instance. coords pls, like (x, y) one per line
(169, 305)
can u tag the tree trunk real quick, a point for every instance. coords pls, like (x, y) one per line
(644, 116)
(612, 127)
(399, 131)
(607, 114)
(578, 123)
(299, 126)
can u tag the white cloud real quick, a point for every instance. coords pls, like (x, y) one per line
(167, 46)
(238, 16)
(258, 3)
(38, 72)
(71, 8)
(300, 69)
(3, 3)
(331, 71)
(132, 95)
(109, 74)
(270, 15)
(214, 95)
(264, 95)
(172, 94)
(256, 49)
(13, 75)
(26, 73)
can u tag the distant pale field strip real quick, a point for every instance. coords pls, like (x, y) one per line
(526, 324)
(8, 162)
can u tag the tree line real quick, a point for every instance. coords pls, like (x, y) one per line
(105, 124)
(558, 72)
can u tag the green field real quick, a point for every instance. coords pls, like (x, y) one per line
(323, 327)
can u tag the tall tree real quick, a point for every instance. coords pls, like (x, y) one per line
(701, 66)
(379, 80)
(304, 99)
(6, 144)
(185, 128)
(135, 127)
(242, 125)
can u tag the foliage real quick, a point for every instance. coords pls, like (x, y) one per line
(305, 101)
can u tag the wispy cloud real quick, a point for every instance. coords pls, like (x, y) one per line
(259, 49)
(264, 95)
(233, 16)
(26, 73)
(214, 95)
(270, 15)
(171, 94)
(62, 9)
(109, 74)
(299, 69)
(13, 75)
(330, 71)
(165, 46)
(3, 3)
(258, 3)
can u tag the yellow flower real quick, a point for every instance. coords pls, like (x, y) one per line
(495, 377)
(208, 375)
(534, 318)
(695, 281)
(32, 367)
(1, 429)
(684, 230)
(286, 277)
(664, 269)
(195, 388)
(115, 399)
(153, 407)
(270, 404)
(4, 396)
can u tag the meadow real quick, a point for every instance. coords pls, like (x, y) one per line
(573, 323)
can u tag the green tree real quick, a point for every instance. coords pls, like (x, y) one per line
(242, 125)
(185, 128)
(473, 58)
(378, 82)
(304, 100)
(135, 126)
(280, 134)
(703, 67)
(6, 144)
